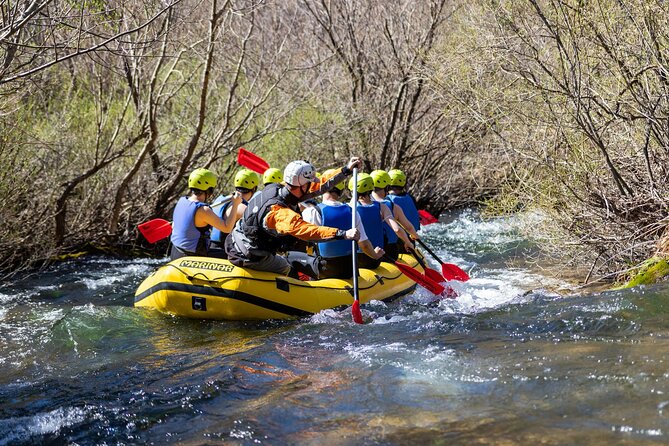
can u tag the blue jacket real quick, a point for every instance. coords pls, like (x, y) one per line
(216, 234)
(185, 235)
(408, 205)
(371, 219)
(390, 235)
(335, 217)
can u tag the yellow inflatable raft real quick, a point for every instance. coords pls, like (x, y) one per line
(208, 288)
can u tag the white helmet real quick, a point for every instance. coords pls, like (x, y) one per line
(299, 173)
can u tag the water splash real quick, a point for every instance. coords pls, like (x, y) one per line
(24, 429)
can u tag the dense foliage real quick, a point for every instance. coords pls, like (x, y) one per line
(555, 107)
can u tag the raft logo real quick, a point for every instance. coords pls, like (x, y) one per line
(207, 265)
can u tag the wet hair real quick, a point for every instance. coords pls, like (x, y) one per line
(338, 191)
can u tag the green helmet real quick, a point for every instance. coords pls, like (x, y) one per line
(201, 179)
(397, 178)
(381, 179)
(247, 179)
(272, 175)
(329, 174)
(365, 183)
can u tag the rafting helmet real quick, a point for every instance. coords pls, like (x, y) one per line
(201, 179)
(246, 179)
(272, 175)
(331, 173)
(381, 179)
(299, 173)
(397, 178)
(365, 183)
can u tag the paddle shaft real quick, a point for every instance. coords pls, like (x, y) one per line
(427, 248)
(354, 244)
(227, 199)
(419, 259)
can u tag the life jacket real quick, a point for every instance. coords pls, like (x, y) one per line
(370, 214)
(259, 237)
(216, 234)
(388, 232)
(335, 217)
(408, 205)
(185, 235)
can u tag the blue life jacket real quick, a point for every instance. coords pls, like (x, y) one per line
(216, 234)
(335, 217)
(185, 235)
(388, 232)
(370, 214)
(408, 205)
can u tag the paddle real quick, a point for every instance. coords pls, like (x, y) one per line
(251, 161)
(159, 229)
(429, 272)
(449, 270)
(155, 230)
(433, 287)
(426, 218)
(434, 275)
(355, 308)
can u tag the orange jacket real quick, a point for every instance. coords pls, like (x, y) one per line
(288, 222)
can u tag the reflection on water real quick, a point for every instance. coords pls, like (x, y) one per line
(516, 359)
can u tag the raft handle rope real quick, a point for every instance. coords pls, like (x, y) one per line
(191, 277)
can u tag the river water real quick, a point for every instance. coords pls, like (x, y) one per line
(517, 358)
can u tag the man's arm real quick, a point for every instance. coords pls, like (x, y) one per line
(288, 222)
(320, 188)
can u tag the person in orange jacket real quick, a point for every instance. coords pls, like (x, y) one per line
(263, 237)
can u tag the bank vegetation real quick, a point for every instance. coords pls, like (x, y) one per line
(559, 108)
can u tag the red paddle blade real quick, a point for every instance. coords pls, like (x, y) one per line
(355, 311)
(426, 218)
(454, 272)
(433, 274)
(155, 230)
(429, 284)
(251, 161)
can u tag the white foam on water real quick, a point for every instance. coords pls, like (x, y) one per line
(124, 262)
(390, 320)
(432, 364)
(21, 429)
(118, 275)
(471, 228)
(24, 295)
(7, 298)
(475, 296)
(328, 316)
(94, 284)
